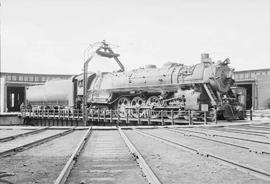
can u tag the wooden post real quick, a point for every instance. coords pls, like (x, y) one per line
(42, 113)
(162, 118)
(139, 118)
(111, 116)
(215, 116)
(172, 117)
(98, 115)
(104, 115)
(205, 118)
(118, 119)
(127, 117)
(250, 115)
(149, 117)
(92, 114)
(189, 117)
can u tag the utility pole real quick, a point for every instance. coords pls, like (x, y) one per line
(85, 68)
(103, 50)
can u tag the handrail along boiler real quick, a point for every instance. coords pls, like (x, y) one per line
(172, 88)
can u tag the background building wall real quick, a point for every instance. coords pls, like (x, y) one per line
(2, 96)
(263, 90)
(15, 84)
(258, 81)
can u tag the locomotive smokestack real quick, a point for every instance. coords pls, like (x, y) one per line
(205, 57)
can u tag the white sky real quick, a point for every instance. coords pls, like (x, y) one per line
(50, 36)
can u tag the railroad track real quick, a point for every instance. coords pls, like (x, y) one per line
(213, 138)
(233, 162)
(236, 131)
(29, 144)
(251, 128)
(206, 132)
(106, 156)
(243, 130)
(9, 138)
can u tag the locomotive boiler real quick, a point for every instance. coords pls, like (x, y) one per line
(174, 87)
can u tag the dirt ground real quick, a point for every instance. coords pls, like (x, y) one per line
(11, 132)
(179, 166)
(41, 164)
(27, 139)
(235, 154)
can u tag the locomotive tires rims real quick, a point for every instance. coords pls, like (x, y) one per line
(154, 101)
(137, 102)
(122, 103)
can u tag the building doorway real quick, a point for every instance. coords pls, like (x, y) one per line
(15, 97)
(249, 96)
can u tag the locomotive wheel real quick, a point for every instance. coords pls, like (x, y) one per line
(122, 103)
(154, 101)
(137, 102)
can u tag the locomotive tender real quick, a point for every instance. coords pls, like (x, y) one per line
(173, 86)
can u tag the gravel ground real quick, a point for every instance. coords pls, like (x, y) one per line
(231, 153)
(179, 166)
(24, 140)
(9, 132)
(106, 159)
(41, 164)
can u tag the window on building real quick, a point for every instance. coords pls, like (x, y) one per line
(20, 78)
(36, 78)
(25, 78)
(31, 78)
(9, 77)
(241, 76)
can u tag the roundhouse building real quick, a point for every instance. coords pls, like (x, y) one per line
(257, 84)
(13, 87)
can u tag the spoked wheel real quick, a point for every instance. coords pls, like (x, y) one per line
(137, 102)
(154, 101)
(175, 114)
(122, 103)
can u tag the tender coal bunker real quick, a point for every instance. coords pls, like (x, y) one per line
(249, 94)
(15, 97)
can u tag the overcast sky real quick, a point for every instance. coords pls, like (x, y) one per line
(50, 36)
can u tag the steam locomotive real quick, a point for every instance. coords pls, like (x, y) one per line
(174, 86)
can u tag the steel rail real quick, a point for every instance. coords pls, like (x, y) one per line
(150, 175)
(241, 167)
(9, 138)
(236, 131)
(34, 143)
(259, 127)
(246, 130)
(251, 127)
(226, 136)
(222, 142)
(73, 159)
